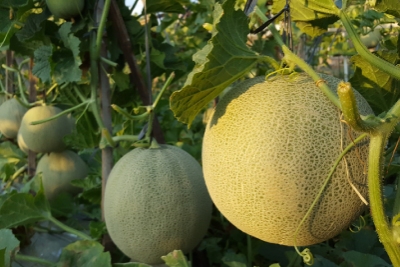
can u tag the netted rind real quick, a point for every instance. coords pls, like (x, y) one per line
(58, 170)
(155, 202)
(267, 151)
(47, 136)
(11, 113)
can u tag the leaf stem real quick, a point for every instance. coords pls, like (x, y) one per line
(130, 138)
(64, 112)
(22, 257)
(68, 229)
(108, 62)
(100, 30)
(382, 64)
(165, 86)
(129, 116)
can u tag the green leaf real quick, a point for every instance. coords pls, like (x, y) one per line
(234, 260)
(31, 27)
(97, 229)
(222, 61)
(23, 208)
(377, 87)
(131, 264)
(167, 6)
(67, 61)
(388, 6)
(361, 259)
(275, 265)
(85, 253)
(13, 3)
(8, 244)
(311, 16)
(42, 67)
(175, 259)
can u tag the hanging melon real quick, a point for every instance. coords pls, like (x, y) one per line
(267, 151)
(155, 202)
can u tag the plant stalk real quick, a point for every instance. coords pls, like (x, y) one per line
(68, 229)
(22, 257)
(375, 163)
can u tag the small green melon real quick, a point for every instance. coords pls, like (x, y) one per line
(267, 151)
(58, 170)
(11, 113)
(65, 9)
(48, 136)
(155, 202)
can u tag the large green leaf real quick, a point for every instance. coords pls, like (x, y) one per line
(354, 258)
(131, 264)
(167, 6)
(8, 244)
(85, 253)
(222, 61)
(42, 67)
(67, 61)
(377, 87)
(388, 6)
(23, 208)
(311, 16)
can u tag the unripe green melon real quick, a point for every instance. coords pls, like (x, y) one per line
(155, 202)
(267, 151)
(65, 8)
(11, 113)
(3, 98)
(58, 170)
(47, 136)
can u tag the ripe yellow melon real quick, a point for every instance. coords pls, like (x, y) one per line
(58, 170)
(11, 113)
(48, 136)
(267, 151)
(155, 202)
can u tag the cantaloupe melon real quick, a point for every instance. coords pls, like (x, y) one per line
(267, 151)
(58, 169)
(11, 113)
(3, 98)
(48, 136)
(65, 9)
(155, 202)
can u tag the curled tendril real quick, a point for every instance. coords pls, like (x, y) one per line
(282, 71)
(307, 256)
(357, 228)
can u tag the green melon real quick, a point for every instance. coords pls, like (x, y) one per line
(155, 202)
(11, 113)
(65, 9)
(48, 136)
(58, 170)
(3, 98)
(268, 149)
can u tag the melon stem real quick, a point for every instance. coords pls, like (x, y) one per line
(68, 229)
(291, 57)
(351, 113)
(22, 257)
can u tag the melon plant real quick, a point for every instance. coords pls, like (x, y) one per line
(47, 136)
(58, 169)
(65, 9)
(155, 202)
(11, 113)
(267, 151)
